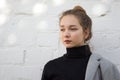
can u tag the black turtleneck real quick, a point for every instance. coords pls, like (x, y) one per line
(71, 66)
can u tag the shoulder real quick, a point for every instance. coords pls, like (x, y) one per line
(106, 65)
(102, 60)
(108, 69)
(54, 62)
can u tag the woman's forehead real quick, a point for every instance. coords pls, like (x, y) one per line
(69, 21)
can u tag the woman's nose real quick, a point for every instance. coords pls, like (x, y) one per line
(66, 34)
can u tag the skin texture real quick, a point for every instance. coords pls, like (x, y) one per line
(71, 32)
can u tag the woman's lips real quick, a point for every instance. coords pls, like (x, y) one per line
(67, 41)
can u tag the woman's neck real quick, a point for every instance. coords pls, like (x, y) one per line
(78, 52)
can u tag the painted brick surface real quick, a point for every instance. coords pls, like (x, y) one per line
(11, 56)
(38, 56)
(8, 72)
(29, 41)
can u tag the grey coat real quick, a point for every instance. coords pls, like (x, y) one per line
(101, 69)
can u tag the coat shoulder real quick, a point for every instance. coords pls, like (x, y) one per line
(103, 61)
(109, 69)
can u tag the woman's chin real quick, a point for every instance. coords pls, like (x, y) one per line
(69, 46)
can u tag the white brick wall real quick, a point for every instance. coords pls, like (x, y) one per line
(28, 41)
(11, 55)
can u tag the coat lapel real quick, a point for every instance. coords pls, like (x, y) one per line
(92, 66)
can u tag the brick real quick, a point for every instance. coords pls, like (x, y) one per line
(106, 40)
(11, 55)
(48, 39)
(20, 72)
(38, 56)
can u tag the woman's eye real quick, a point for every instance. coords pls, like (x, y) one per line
(62, 29)
(73, 29)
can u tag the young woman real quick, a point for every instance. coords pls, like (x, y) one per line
(79, 63)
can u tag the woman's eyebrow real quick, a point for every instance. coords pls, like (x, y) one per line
(61, 25)
(70, 26)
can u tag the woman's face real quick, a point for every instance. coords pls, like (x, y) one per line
(71, 32)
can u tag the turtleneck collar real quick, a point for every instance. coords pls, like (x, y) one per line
(78, 52)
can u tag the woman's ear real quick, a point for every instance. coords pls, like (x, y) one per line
(87, 32)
